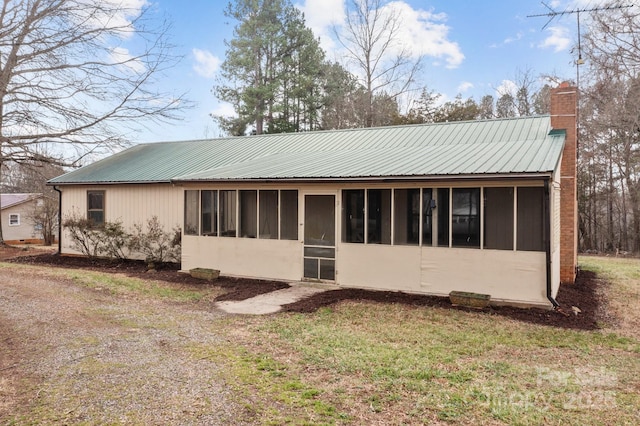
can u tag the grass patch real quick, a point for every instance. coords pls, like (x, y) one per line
(119, 284)
(260, 383)
(623, 290)
(392, 363)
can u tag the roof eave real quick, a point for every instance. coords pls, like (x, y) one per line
(133, 182)
(358, 179)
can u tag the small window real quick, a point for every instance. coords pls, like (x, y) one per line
(530, 219)
(498, 218)
(95, 207)
(228, 213)
(443, 217)
(289, 214)
(14, 219)
(379, 216)
(406, 216)
(248, 214)
(353, 216)
(428, 205)
(465, 218)
(268, 221)
(209, 216)
(191, 212)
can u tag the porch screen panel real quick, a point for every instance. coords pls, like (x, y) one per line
(209, 216)
(530, 229)
(353, 216)
(443, 217)
(249, 214)
(379, 216)
(228, 213)
(191, 212)
(406, 216)
(427, 217)
(498, 218)
(465, 218)
(289, 214)
(268, 220)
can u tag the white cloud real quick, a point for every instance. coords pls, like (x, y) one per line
(114, 14)
(515, 38)
(422, 32)
(426, 33)
(558, 39)
(224, 109)
(120, 55)
(321, 16)
(206, 64)
(507, 87)
(464, 86)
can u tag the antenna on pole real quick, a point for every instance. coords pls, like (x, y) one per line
(553, 14)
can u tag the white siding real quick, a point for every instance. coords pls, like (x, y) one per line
(248, 257)
(129, 204)
(507, 275)
(25, 230)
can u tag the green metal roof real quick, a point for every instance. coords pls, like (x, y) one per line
(472, 148)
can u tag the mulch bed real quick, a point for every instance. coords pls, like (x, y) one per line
(237, 288)
(583, 294)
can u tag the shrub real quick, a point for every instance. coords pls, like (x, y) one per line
(111, 240)
(84, 235)
(156, 244)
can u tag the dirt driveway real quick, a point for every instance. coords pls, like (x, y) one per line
(85, 356)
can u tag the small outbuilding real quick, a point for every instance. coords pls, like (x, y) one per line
(481, 206)
(18, 226)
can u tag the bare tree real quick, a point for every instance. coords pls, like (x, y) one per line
(610, 119)
(371, 38)
(69, 84)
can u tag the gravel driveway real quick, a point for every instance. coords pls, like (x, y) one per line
(84, 356)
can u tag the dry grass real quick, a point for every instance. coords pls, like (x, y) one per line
(393, 364)
(621, 282)
(354, 363)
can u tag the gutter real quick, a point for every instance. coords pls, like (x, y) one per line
(547, 236)
(55, 188)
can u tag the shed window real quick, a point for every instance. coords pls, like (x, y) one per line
(228, 213)
(498, 218)
(427, 217)
(191, 212)
(406, 216)
(248, 214)
(269, 214)
(95, 207)
(353, 216)
(465, 220)
(379, 216)
(530, 219)
(14, 219)
(209, 214)
(289, 214)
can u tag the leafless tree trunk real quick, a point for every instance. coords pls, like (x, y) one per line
(371, 39)
(77, 76)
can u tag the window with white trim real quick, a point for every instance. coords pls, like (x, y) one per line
(14, 219)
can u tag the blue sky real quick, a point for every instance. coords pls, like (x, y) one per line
(472, 48)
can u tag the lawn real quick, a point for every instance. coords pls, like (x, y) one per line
(368, 363)
(359, 362)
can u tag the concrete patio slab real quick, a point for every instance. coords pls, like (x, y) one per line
(269, 303)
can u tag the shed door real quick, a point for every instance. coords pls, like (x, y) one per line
(320, 237)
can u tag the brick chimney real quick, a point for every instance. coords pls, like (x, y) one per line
(564, 116)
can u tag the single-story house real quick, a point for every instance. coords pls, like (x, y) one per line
(480, 206)
(17, 212)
